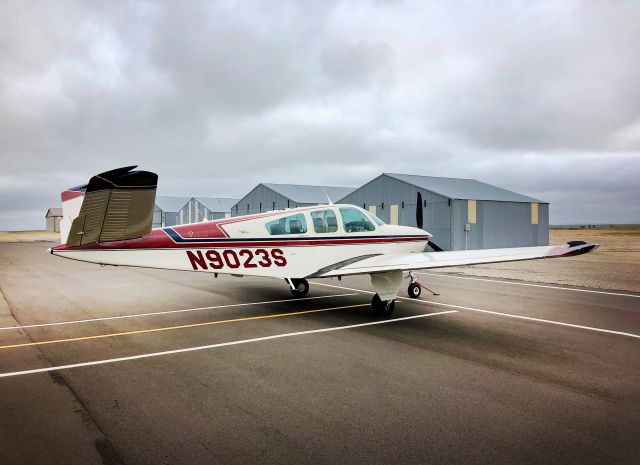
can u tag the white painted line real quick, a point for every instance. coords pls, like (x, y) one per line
(345, 288)
(539, 320)
(508, 315)
(215, 346)
(547, 286)
(137, 315)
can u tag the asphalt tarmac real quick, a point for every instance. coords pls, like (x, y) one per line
(135, 366)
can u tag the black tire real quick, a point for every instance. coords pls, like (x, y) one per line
(301, 287)
(414, 290)
(382, 308)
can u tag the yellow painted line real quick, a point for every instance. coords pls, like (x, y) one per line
(219, 345)
(171, 328)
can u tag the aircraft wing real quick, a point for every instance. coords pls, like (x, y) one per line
(419, 261)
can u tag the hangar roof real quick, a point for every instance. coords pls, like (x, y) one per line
(455, 188)
(217, 204)
(53, 212)
(169, 203)
(310, 194)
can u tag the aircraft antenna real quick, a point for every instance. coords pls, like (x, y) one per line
(327, 196)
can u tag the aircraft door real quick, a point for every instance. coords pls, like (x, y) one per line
(325, 224)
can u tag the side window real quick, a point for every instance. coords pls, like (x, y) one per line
(354, 220)
(324, 221)
(294, 224)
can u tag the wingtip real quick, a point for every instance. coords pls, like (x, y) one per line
(580, 248)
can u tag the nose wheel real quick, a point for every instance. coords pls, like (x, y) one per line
(299, 287)
(414, 290)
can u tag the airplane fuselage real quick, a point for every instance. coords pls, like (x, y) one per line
(260, 245)
(108, 221)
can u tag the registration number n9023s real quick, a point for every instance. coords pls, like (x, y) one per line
(217, 259)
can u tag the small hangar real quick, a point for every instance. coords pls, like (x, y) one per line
(171, 211)
(266, 197)
(210, 208)
(460, 213)
(53, 217)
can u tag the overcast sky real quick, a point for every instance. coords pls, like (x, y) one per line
(539, 97)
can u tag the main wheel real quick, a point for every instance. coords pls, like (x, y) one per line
(382, 307)
(414, 290)
(301, 287)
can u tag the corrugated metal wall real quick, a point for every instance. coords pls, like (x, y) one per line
(199, 212)
(543, 224)
(262, 199)
(53, 223)
(183, 215)
(171, 218)
(192, 212)
(497, 224)
(383, 192)
(157, 218)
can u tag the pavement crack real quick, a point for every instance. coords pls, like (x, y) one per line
(107, 452)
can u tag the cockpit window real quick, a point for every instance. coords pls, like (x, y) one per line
(324, 221)
(294, 224)
(354, 220)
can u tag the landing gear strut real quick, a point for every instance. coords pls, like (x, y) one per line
(381, 307)
(299, 287)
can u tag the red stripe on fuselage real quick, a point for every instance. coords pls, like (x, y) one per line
(162, 241)
(214, 236)
(68, 195)
(215, 228)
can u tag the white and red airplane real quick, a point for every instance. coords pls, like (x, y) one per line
(108, 222)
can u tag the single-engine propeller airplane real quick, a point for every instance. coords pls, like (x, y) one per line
(108, 221)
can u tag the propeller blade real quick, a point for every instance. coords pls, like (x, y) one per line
(434, 247)
(419, 211)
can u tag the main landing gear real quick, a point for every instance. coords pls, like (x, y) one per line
(381, 307)
(299, 287)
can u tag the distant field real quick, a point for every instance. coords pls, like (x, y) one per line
(624, 242)
(615, 265)
(29, 236)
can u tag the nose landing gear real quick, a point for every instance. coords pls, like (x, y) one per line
(415, 288)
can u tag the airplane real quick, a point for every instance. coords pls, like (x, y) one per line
(109, 222)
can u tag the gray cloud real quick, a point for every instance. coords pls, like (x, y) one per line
(218, 96)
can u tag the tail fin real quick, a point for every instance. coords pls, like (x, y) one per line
(71, 203)
(115, 205)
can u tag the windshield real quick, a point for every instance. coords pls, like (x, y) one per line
(375, 219)
(355, 220)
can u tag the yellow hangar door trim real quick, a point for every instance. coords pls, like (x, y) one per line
(372, 209)
(393, 214)
(534, 213)
(471, 209)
